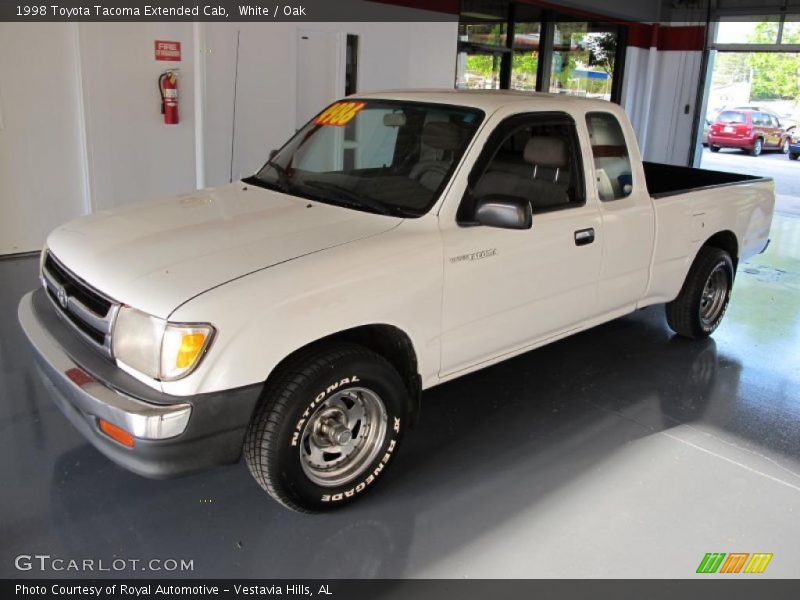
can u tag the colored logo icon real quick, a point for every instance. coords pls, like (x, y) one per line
(735, 562)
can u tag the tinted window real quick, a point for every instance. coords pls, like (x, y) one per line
(730, 116)
(612, 163)
(535, 159)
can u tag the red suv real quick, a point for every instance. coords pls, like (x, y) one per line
(749, 130)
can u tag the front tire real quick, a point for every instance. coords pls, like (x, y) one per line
(785, 147)
(328, 424)
(703, 300)
(794, 156)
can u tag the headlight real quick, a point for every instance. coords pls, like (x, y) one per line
(159, 349)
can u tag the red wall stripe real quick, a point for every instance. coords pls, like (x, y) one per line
(685, 38)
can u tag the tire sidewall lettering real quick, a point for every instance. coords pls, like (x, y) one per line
(375, 472)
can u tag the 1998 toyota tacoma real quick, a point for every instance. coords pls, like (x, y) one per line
(397, 241)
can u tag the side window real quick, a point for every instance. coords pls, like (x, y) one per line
(612, 164)
(534, 158)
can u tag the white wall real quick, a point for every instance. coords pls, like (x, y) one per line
(391, 55)
(41, 156)
(657, 87)
(132, 155)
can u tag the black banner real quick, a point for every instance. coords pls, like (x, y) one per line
(416, 589)
(38, 11)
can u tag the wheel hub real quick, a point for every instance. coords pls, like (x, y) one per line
(343, 437)
(714, 297)
(331, 429)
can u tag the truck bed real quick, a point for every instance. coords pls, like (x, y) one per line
(669, 180)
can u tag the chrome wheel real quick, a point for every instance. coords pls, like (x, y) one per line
(715, 296)
(785, 147)
(343, 437)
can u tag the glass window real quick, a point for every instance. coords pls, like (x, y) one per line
(791, 30)
(401, 157)
(525, 57)
(731, 116)
(741, 31)
(612, 164)
(583, 60)
(481, 45)
(536, 161)
(478, 69)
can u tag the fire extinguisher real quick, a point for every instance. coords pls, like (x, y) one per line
(168, 88)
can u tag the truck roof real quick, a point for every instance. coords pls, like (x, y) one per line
(487, 100)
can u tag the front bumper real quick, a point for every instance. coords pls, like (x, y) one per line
(172, 435)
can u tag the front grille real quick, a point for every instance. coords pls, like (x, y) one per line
(88, 311)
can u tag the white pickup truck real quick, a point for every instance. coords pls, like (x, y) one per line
(396, 241)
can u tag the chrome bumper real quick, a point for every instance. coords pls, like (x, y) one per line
(94, 399)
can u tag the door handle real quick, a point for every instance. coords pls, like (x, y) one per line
(584, 236)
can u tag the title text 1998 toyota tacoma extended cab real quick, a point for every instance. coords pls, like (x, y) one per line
(398, 240)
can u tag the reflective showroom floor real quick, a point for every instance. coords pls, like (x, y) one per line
(621, 452)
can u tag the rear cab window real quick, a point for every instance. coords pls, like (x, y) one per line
(731, 116)
(612, 163)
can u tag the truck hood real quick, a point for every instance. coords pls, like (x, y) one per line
(156, 255)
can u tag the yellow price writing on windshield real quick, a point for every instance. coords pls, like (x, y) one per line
(340, 113)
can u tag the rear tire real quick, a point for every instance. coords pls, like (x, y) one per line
(703, 300)
(757, 148)
(328, 423)
(714, 148)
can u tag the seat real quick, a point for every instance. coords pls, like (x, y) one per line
(544, 180)
(443, 139)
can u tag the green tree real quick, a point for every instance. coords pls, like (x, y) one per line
(776, 75)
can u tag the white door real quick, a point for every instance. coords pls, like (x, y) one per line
(628, 218)
(320, 77)
(505, 289)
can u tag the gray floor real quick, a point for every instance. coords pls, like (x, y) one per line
(622, 452)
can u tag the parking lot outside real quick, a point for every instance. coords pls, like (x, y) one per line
(785, 172)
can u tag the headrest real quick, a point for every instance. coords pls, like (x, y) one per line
(441, 135)
(546, 152)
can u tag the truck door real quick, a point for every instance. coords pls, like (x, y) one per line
(626, 210)
(506, 289)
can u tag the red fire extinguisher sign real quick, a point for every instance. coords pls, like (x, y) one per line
(168, 50)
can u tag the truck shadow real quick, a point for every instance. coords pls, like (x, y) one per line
(490, 446)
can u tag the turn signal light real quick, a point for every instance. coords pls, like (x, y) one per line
(116, 433)
(191, 345)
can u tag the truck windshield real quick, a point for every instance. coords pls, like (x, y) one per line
(386, 157)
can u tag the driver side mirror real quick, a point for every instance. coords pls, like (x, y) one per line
(505, 212)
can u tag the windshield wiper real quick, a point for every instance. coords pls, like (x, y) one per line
(284, 178)
(351, 198)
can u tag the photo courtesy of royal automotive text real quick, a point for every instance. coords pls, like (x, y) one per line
(399, 299)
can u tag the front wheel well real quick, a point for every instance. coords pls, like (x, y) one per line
(388, 341)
